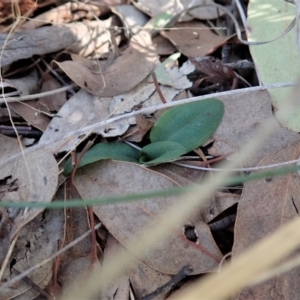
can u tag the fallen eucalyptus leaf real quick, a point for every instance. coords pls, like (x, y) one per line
(127, 220)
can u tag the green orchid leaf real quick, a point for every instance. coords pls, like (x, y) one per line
(116, 151)
(189, 125)
(161, 152)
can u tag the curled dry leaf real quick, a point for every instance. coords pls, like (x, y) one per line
(194, 39)
(32, 178)
(133, 19)
(126, 221)
(138, 60)
(244, 114)
(265, 206)
(213, 69)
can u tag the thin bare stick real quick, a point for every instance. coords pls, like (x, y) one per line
(78, 159)
(184, 272)
(34, 286)
(160, 94)
(242, 15)
(240, 169)
(38, 95)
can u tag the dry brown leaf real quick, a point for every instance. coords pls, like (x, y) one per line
(221, 202)
(144, 123)
(4, 115)
(93, 37)
(138, 60)
(213, 69)
(137, 133)
(65, 13)
(142, 279)
(25, 85)
(25, 7)
(135, 98)
(186, 176)
(76, 262)
(142, 96)
(119, 288)
(36, 242)
(94, 65)
(145, 280)
(51, 103)
(208, 12)
(126, 221)
(265, 206)
(72, 271)
(244, 114)
(179, 294)
(34, 179)
(193, 38)
(133, 19)
(29, 111)
(162, 45)
(183, 176)
(80, 110)
(8, 147)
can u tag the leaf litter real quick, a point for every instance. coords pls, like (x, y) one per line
(169, 256)
(276, 201)
(110, 51)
